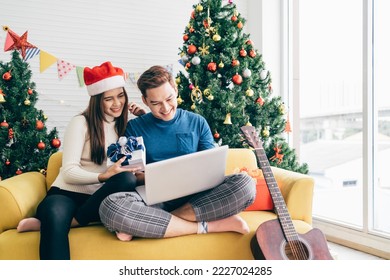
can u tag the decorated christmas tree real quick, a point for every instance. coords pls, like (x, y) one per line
(25, 142)
(226, 81)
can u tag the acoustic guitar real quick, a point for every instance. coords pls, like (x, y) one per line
(277, 239)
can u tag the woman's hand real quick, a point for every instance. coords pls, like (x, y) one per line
(136, 109)
(115, 169)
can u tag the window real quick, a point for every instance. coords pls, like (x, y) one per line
(340, 64)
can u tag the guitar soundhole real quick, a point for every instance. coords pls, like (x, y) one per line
(296, 250)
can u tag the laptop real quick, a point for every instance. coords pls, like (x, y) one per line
(183, 175)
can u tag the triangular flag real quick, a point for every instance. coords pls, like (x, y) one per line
(8, 42)
(30, 53)
(169, 68)
(134, 77)
(80, 75)
(63, 68)
(46, 60)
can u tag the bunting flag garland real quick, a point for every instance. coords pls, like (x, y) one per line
(15, 42)
(134, 77)
(30, 53)
(8, 40)
(80, 75)
(46, 60)
(64, 68)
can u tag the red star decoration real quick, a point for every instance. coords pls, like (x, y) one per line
(20, 43)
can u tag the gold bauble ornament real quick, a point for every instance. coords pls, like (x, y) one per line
(179, 100)
(199, 8)
(193, 106)
(216, 38)
(177, 80)
(27, 102)
(265, 132)
(249, 92)
(221, 65)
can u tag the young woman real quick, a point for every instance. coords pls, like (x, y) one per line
(84, 179)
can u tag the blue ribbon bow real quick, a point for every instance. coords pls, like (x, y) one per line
(116, 151)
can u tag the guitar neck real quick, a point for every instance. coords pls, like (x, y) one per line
(280, 206)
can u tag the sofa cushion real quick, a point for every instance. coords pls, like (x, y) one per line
(263, 200)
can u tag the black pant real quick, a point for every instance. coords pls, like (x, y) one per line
(58, 208)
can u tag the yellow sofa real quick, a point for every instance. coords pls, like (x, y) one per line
(20, 195)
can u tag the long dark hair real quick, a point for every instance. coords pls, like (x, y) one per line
(94, 114)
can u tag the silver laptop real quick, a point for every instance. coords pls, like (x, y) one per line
(184, 175)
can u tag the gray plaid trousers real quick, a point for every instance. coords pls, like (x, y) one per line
(126, 212)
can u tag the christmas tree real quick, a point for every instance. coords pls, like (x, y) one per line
(25, 143)
(226, 81)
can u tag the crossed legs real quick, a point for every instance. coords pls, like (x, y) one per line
(212, 211)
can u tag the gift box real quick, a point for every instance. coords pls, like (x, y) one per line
(132, 148)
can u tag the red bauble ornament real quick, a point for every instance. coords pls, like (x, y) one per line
(243, 53)
(191, 49)
(185, 37)
(4, 124)
(237, 79)
(234, 18)
(18, 172)
(235, 62)
(252, 53)
(260, 101)
(7, 76)
(41, 145)
(212, 66)
(216, 135)
(55, 143)
(39, 125)
(7, 162)
(30, 91)
(240, 25)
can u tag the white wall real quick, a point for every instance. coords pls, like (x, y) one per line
(132, 34)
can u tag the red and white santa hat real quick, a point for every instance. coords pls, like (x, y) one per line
(102, 78)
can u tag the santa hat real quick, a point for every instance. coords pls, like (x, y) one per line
(102, 78)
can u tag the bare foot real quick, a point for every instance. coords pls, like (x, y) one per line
(233, 223)
(29, 224)
(123, 236)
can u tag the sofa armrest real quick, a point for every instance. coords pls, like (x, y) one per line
(19, 198)
(297, 190)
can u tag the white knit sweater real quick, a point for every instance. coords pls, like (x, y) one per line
(78, 173)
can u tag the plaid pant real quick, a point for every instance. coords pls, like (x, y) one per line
(126, 211)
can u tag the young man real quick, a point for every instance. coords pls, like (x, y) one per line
(170, 132)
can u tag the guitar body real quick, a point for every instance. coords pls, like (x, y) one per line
(269, 243)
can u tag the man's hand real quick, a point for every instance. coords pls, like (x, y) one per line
(136, 109)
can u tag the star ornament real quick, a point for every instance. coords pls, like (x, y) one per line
(19, 42)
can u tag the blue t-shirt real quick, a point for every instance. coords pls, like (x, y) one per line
(186, 133)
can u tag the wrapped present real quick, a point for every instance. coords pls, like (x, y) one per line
(132, 148)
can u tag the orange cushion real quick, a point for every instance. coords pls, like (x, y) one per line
(263, 200)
